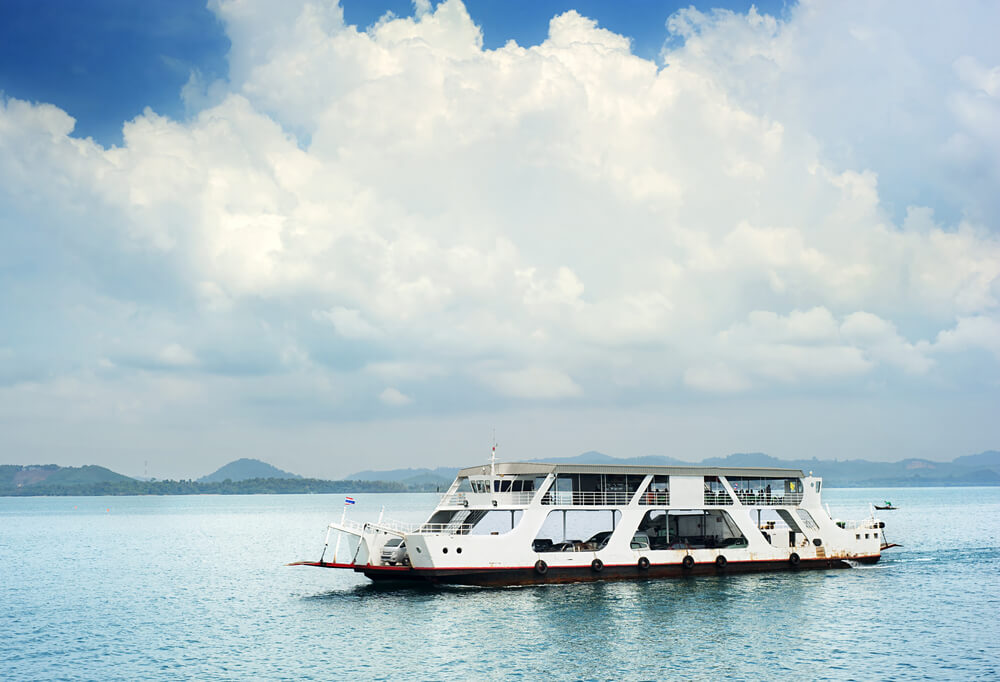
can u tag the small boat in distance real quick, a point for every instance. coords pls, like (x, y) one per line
(886, 505)
(520, 523)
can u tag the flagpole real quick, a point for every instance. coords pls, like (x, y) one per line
(493, 470)
(336, 548)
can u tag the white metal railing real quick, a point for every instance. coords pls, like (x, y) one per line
(871, 524)
(617, 499)
(657, 497)
(767, 500)
(348, 525)
(383, 525)
(404, 527)
(718, 498)
(445, 528)
(522, 499)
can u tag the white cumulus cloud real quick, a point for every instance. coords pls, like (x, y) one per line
(781, 204)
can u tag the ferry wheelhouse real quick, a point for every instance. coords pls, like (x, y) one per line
(527, 523)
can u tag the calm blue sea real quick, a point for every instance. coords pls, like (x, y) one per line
(196, 587)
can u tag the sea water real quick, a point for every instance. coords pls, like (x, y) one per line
(196, 587)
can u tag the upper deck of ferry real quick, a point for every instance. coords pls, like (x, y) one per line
(522, 484)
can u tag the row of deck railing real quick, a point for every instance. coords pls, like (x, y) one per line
(750, 497)
(454, 528)
(448, 528)
(717, 498)
(591, 498)
(465, 499)
(618, 498)
(863, 523)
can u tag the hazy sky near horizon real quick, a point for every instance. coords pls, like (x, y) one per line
(342, 238)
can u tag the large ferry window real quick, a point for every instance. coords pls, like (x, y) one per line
(753, 490)
(603, 489)
(654, 526)
(691, 529)
(576, 530)
(715, 492)
(657, 492)
(494, 521)
(464, 486)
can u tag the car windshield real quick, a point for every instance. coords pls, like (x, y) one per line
(393, 542)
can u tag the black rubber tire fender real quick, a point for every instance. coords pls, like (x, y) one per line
(687, 562)
(597, 565)
(721, 561)
(794, 559)
(541, 568)
(643, 563)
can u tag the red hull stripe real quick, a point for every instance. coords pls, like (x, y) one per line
(390, 569)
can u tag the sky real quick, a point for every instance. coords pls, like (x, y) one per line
(349, 236)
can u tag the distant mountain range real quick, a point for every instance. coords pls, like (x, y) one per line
(980, 469)
(249, 476)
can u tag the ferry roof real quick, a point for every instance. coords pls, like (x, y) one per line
(543, 468)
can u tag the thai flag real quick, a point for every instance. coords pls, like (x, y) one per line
(349, 500)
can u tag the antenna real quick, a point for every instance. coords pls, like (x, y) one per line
(493, 456)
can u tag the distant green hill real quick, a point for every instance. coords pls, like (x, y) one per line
(245, 469)
(27, 476)
(253, 486)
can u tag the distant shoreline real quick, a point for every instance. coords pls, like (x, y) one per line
(253, 486)
(320, 487)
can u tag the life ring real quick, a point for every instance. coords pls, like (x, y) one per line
(721, 561)
(597, 565)
(541, 568)
(643, 563)
(688, 562)
(794, 559)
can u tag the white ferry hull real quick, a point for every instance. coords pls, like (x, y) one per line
(523, 524)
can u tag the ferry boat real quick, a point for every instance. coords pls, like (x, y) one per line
(520, 523)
